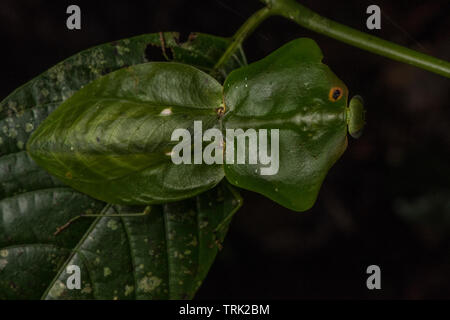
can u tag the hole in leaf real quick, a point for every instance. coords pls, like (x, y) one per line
(182, 37)
(155, 53)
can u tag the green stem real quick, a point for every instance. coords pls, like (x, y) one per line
(244, 31)
(308, 19)
(294, 11)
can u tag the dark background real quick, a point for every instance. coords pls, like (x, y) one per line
(386, 201)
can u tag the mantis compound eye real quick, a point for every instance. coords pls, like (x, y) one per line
(335, 94)
(356, 116)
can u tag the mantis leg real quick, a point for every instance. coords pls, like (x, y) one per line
(88, 215)
(225, 222)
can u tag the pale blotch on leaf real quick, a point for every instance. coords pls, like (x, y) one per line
(57, 289)
(148, 284)
(112, 224)
(60, 76)
(12, 133)
(122, 50)
(29, 127)
(45, 92)
(4, 253)
(3, 263)
(166, 112)
(128, 290)
(178, 255)
(106, 271)
(194, 242)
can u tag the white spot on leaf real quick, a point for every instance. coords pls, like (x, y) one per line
(3, 263)
(128, 290)
(166, 112)
(57, 289)
(106, 271)
(112, 224)
(148, 284)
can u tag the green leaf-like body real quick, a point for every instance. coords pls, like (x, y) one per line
(290, 90)
(33, 203)
(112, 139)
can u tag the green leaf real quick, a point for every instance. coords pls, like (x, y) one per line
(112, 139)
(33, 203)
(165, 255)
(293, 91)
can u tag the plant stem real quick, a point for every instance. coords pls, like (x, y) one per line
(296, 12)
(308, 19)
(244, 31)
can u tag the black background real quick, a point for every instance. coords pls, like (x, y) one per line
(386, 201)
